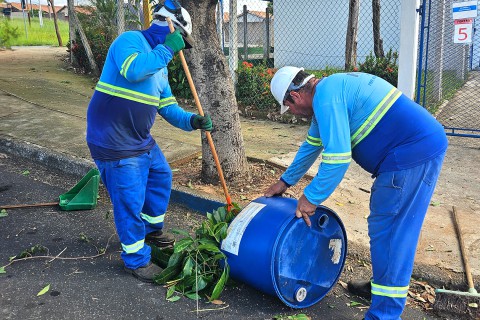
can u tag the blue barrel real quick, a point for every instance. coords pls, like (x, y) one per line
(270, 249)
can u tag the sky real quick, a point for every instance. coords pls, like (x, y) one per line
(256, 5)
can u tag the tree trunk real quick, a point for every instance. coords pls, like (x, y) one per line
(71, 31)
(216, 92)
(351, 39)
(76, 23)
(60, 44)
(377, 39)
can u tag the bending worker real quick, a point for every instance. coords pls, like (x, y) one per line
(132, 89)
(362, 117)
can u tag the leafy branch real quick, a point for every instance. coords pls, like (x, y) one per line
(28, 255)
(196, 265)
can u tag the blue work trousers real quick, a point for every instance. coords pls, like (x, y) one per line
(139, 188)
(398, 204)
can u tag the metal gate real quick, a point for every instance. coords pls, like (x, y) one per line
(448, 76)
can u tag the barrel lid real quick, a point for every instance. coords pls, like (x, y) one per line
(307, 262)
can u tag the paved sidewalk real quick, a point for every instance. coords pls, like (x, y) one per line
(53, 127)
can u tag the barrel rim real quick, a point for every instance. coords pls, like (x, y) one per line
(274, 251)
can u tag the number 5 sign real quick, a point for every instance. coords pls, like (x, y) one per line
(463, 31)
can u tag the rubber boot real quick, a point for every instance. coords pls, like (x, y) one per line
(361, 288)
(158, 239)
(146, 273)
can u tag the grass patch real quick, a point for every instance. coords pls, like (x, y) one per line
(39, 36)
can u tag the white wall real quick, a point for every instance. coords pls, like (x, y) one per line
(312, 33)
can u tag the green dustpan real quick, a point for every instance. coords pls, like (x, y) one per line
(84, 195)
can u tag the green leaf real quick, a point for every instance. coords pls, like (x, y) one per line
(188, 266)
(3, 213)
(173, 299)
(26, 173)
(2, 270)
(208, 241)
(192, 295)
(435, 203)
(217, 290)
(223, 232)
(220, 231)
(176, 259)
(182, 245)
(188, 282)
(354, 304)
(170, 292)
(219, 256)
(216, 216)
(43, 291)
(161, 257)
(200, 284)
(180, 232)
(222, 212)
(209, 247)
(301, 316)
(209, 216)
(166, 275)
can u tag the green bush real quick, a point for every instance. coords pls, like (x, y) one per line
(99, 44)
(385, 68)
(178, 79)
(8, 33)
(253, 86)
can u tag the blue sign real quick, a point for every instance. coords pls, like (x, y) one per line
(462, 10)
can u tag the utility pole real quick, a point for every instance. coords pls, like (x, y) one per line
(40, 13)
(407, 57)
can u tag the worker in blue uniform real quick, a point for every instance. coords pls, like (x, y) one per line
(132, 89)
(362, 117)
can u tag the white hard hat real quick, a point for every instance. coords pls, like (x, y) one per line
(282, 81)
(181, 19)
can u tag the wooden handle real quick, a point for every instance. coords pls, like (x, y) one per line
(463, 251)
(200, 112)
(15, 206)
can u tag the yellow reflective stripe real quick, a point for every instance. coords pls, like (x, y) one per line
(132, 248)
(317, 142)
(375, 116)
(166, 102)
(126, 64)
(127, 94)
(392, 292)
(152, 220)
(334, 158)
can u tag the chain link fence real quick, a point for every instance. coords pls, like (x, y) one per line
(448, 84)
(324, 37)
(334, 36)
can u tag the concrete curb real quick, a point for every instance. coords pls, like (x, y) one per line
(79, 167)
(49, 158)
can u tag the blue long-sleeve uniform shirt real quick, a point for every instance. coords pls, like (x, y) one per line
(361, 116)
(132, 89)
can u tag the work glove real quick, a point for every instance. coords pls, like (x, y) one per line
(204, 123)
(174, 41)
